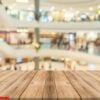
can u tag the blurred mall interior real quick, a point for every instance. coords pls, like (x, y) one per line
(49, 34)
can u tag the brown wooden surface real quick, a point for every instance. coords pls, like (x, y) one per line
(50, 85)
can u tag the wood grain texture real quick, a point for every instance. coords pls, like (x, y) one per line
(50, 85)
(35, 88)
(64, 88)
(50, 91)
(84, 89)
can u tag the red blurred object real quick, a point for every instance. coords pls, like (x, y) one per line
(25, 60)
(4, 98)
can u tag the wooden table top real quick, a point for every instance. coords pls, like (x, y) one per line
(56, 85)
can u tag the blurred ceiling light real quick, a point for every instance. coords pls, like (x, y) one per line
(50, 18)
(98, 11)
(98, 7)
(22, 1)
(77, 12)
(12, 6)
(64, 10)
(91, 9)
(53, 33)
(53, 8)
(41, 10)
(30, 8)
(22, 30)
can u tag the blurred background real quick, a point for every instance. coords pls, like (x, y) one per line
(49, 35)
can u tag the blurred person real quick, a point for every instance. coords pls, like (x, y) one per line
(54, 41)
(20, 68)
(1, 62)
(84, 43)
(91, 48)
(97, 45)
(60, 41)
(15, 67)
(69, 65)
(72, 41)
(65, 43)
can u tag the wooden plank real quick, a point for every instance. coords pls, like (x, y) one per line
(14, 90)
(50, 85)
(50, 91)
(97, 73)
(22, 85)
(93, 76)
(6, 78)
(1, 72)
(64, 89)
(4, 85)
(12, 83)
(35, 88)
(89, 80)
(5, 75)
(85, 90)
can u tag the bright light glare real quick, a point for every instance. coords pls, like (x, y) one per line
(22, 1)
(98, 7)
(91, 9)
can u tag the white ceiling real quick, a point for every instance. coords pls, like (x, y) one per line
(56, 3)
(9, 23)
